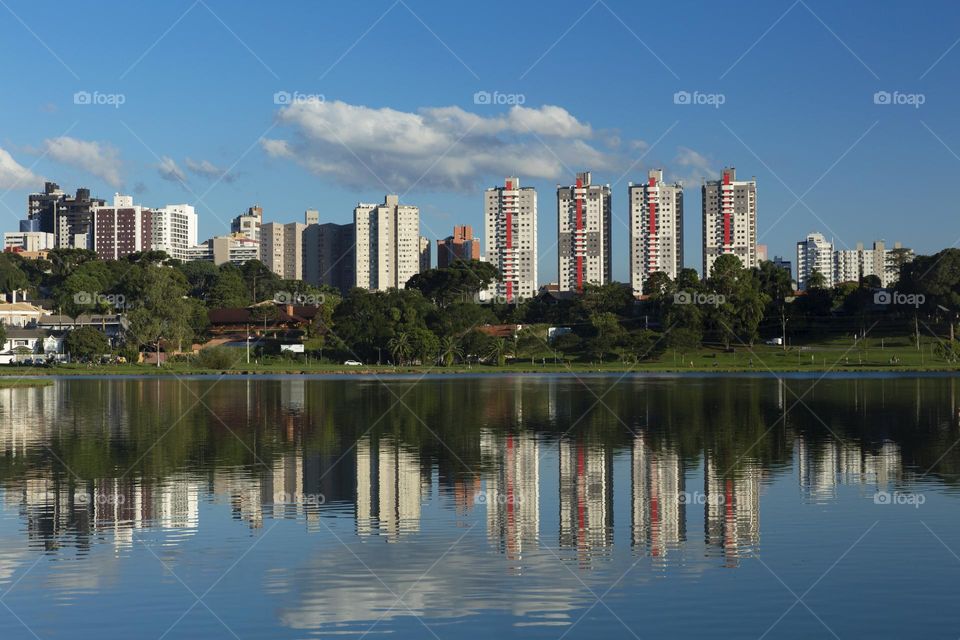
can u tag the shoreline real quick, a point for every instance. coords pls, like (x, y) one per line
(34, 378)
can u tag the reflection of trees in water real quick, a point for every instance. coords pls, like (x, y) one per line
(252, 440)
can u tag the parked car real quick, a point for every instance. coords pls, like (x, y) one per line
(775, 341)
(353, 363)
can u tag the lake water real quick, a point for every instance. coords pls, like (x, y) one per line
(478, 507)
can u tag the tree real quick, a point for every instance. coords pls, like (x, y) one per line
(737, 308)
(684, 340)
(85, 343)
(568, 343)
(162, 313)
(776, 284)
(658, 285)
(816, 280)
(64, 261)
(3, 335)
(614, 297)
(228, 290)
(400, 347)
(261, 281)
(424, 345)
(461, 281)
(449, 350)
(11, 277)
(498, 350)
(201, 275)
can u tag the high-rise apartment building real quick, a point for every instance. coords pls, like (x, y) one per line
(174, 230)
(248, 224)
(43, 208)
(281, 248)
(729, 220)
(236, 249)
(814, 254)
(329, 255)
(584, 213)
(510, 230)
(122, 229)
(460, 246)
(74, 217)
(387, 244)
(851, 265)
(656, 229)
(426, 256)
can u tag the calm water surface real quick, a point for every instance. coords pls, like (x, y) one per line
(474, 507)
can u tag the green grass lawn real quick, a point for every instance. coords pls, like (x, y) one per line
(873, 354)
(16, 383)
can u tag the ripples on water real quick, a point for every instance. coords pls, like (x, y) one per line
(470, 506)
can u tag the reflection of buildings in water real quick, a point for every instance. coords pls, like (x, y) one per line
(26, 415)
(118, 506)
(465, 491)
(244, 491)
(586, 497)
(512, 497)
(293, 393)
(330, 479)
(732, 509)
(389, 487)
(282, 485)
(820, 469)
(659, 507)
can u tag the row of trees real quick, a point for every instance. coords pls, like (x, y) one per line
(437, 317)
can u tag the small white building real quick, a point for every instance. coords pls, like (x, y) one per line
(20, 313)
(21, 344)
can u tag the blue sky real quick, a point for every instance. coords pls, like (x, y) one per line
(398, 79)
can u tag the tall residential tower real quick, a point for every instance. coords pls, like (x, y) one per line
(729, 220)
(510, 226)
(387, 244)
(584, 212)
(656, 229)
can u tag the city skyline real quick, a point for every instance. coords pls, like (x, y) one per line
(889, 109)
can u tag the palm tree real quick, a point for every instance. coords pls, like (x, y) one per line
(449, 350)
(499, 349)
(400, 347)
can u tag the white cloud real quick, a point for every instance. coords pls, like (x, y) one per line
(169, 170)
(694, 165)
(99, 159)
(207, 169)
(13, 175)
(445, 148)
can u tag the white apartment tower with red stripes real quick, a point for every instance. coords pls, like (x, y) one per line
(729, 220)
(510, 227)
(584, 212)
(656, 229)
